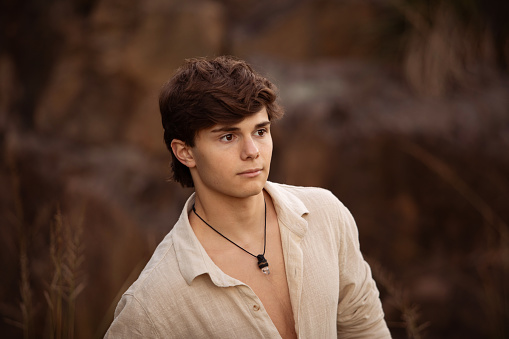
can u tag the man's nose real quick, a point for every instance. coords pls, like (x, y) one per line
(250, 150)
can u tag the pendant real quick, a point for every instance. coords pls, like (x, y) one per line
(263, 264)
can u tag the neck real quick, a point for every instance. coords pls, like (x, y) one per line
(238, 218)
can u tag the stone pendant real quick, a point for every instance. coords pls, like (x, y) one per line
(263, 264)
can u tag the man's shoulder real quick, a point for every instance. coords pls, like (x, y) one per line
(160, 287)
(309, 195)
(301, 189)
(159, 270)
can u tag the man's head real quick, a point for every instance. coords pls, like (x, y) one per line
(204, 93)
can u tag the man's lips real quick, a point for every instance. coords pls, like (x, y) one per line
(251, 172)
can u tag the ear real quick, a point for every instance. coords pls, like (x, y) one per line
(183, 152)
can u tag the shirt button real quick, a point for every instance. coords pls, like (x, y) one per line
(256, 307)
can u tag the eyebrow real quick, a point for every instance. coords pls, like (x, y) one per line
(235, 129)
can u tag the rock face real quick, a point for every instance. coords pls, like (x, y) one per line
(426, 177)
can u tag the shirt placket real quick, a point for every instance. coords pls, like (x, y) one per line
(258, 312)
(294, 264)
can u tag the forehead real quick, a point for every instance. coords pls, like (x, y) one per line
(250, 122)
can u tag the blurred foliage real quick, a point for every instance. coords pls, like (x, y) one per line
(443, 45)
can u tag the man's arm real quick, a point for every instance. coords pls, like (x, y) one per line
(131, 321)
(360, 313)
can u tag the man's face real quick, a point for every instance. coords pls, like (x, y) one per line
(233, 160)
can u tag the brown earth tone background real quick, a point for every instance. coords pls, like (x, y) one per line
(400, 108)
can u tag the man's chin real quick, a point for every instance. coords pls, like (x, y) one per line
(253, 188)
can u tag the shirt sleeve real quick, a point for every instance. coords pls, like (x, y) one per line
(131, 321)
(360, 313)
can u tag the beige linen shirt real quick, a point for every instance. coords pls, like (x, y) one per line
(181, 293)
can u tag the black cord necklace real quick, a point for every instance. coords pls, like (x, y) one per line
(262, 262)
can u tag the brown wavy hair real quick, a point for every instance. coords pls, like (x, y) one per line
(206, 92)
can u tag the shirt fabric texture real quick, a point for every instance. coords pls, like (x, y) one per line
(181, 293)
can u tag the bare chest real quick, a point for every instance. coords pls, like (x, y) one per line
(271, 289)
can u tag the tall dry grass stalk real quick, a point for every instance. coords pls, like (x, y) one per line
(26, 293)
(66, 251)
(18, 219)
(410, 314)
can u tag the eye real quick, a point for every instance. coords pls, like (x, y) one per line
(227, 137)
(261, 132)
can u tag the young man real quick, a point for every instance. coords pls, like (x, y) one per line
(248, 258)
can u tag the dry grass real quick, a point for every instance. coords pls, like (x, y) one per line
(66, 252)
(26, 294)
(18, 219)
(410, 313)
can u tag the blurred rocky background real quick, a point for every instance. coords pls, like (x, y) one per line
(400, 107)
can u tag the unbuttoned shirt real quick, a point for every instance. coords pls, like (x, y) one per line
(181, 293)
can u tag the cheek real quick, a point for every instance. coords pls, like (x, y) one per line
(266, 148)
(214, 164)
